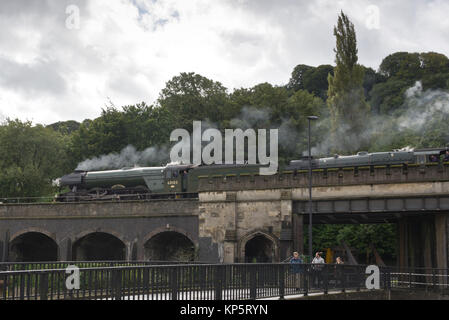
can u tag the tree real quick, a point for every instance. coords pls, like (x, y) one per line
(139, 125)
(386, 97)
(312, 79)
(190, 97)
(31, 157)
(435, 70)
(358, 237)
(65, 127)
(315, 80)
(402, 65)
(401, 71)
(346, 101)
(370, 79)
(296, 81)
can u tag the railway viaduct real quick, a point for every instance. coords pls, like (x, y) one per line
(239, 218)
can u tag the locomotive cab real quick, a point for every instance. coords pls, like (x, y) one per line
(429, 156)
(176, 178)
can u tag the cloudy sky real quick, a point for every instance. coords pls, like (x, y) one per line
(62, 60)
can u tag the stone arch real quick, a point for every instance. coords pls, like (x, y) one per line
(165, 229)
(91, 245)
(169, 244)
(100, 230)
(33, 229)
(33, 244)
(262, 241)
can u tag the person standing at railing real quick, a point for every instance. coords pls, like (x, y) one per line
(446, 156)
(339, 271)
(297, 269)
(317, 269)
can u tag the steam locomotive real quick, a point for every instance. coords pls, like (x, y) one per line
(175, 180)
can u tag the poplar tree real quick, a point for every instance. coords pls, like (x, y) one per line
(346, 99)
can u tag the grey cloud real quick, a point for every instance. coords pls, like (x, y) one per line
(126, 84)
(31, 78)
(239, 37)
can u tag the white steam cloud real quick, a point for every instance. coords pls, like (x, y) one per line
(128, 157)
(421, 109)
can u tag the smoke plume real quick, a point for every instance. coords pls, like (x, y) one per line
(422, 110)
(128, 157)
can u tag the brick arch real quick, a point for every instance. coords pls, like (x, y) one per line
(43, 251)
(244, 240)
(111, 233)
(107, 231)
(171, 229)
(161, 230)
(33, 229)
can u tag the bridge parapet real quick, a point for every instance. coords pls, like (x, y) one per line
(119, 209)
(331, 177)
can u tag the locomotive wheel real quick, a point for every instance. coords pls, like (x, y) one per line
(97, 193)
(141, 192)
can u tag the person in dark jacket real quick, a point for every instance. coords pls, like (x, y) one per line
(446, 156)
(339, 270)
(433, 158)
(296, 269)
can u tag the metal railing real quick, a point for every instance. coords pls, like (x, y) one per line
(44, 265)
(91, 198)
(419, 278)
(206, 281)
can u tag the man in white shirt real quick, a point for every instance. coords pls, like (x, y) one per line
(317, 269)
(318, 258)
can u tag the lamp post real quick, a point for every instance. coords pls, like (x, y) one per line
(310, 118)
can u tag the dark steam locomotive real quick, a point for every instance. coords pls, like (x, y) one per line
(182, 180)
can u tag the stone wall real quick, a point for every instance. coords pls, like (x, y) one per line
(342, 177)
(133, 222)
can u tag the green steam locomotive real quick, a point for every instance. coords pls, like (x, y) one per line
(174, 180)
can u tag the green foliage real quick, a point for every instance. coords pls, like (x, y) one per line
(311, 79)
(190, 96)
(401, 70)
(31, 157)
(401, 65)
(65, 127)
(388, 96)
(357, 237)
(139, 125)
(296, 81)
(315, 80)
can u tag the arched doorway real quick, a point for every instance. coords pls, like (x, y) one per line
(169, 246)
(259, 249)
(32, 247)
(98, 246)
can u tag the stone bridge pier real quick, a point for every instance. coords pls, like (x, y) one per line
(248, 226)
(422, 241)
